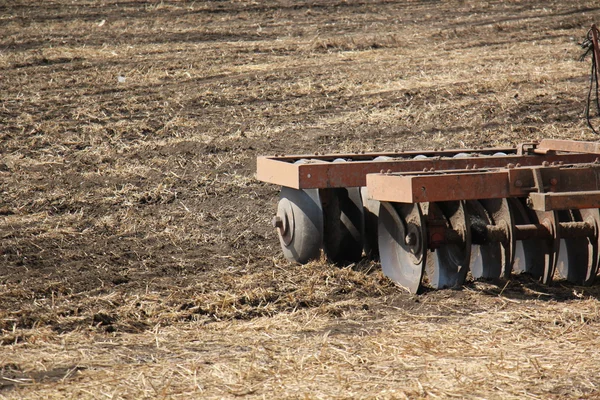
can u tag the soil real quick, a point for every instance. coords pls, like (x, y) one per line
(129, 132)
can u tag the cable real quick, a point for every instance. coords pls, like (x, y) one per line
(588, 46)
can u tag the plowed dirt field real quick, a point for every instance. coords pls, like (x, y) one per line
(137, 259)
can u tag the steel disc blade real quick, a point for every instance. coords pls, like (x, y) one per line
(528, 257)
(301, 219)
(501, 214)
(447, 266)
(592, 216)
(371, 215)
(548, 247)
(343, 224)
(402, 244)
(574, 260)
(486, 257)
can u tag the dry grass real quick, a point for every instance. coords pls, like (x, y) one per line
(137, 256)
(506, 349)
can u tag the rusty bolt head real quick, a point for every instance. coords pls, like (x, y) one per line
(554, 181)
(518, 183)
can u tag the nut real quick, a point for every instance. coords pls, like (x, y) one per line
(277, 222)
(410, 239)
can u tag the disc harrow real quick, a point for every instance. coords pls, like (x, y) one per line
(433, 216)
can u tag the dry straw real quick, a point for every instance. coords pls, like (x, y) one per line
(137, 256)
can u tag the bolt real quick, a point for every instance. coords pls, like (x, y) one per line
(553, 163)
(553, 181)
(518, 165)
(277, 222)
(382, 171)
(518, 183)
(410, 239)
(510, 165)
(425, 169)
(545, 164)
(474, 166)
(431, 169)
(389, 171)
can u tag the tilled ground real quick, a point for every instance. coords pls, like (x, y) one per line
(136, 247)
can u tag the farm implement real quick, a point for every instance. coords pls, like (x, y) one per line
(433, 216)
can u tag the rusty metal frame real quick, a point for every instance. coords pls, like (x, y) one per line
(565, 200)
(546, 187)
(572, 146)
(321, 171)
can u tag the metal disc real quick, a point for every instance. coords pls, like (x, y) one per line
(527, 255)
(461, 155)
(574, 260)
(448, 265)
(343, 224)
(371, 215)
(499, 211)
(549, 219)
(486, 257)
(548, 247)
(592, 216)
(299, 224)
(402, 244)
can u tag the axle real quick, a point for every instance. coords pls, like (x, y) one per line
(482, 234)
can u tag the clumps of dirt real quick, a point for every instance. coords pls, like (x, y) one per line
(329, 289)
(11, 375)
(355, 43)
